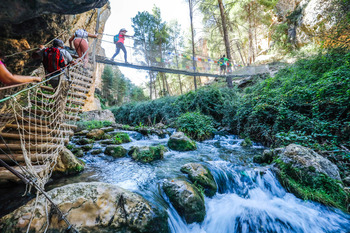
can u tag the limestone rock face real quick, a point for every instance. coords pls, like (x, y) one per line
(98, 115)
(67, 163)
(90, 207)
(16, 11)
(201, 175)
(304, 158)
(180, 142)
(186, 199)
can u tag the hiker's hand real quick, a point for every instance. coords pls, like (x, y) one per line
(41, 46)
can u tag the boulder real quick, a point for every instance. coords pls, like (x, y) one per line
(107, 142)
(83, 141)
(180, 142)
(201, 176)
(115, 151)
(87, 147)
(147, 154)
(96, 152)
(306, 159)
(98, 115)
(89, 207)
(82, 133)
(267, 156)
(96, 134)
(107, 129)
(186, 199)
(160, 126)
(67, 163)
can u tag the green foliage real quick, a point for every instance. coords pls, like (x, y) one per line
(93, 124)
(121, 137)
(196, 125)
(313, 186)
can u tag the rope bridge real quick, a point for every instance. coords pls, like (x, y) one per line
(171, 60)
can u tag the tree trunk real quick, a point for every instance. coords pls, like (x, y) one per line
(193, 52)
(226, 40)
(250, 34)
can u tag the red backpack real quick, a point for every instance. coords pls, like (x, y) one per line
(53, 60)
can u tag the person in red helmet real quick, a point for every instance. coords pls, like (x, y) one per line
(119, 43)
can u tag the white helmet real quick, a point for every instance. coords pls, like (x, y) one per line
(123, 29)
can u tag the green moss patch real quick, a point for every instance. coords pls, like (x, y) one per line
(308, 185)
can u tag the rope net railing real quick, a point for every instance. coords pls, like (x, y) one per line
(36, 120)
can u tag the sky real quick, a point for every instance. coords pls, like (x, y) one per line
(122, 11)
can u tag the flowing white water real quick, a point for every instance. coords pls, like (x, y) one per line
(250, 199)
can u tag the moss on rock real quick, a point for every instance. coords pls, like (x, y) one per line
(179, 142)
(147, 154)
(115, 151)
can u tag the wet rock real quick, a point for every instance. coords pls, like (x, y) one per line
(179, 142)
(267, 156)
(78, 152)
(115, 151)
(201, 176)
(87, 147)
(96, 152)
(160, 126)
(82, 133)
(306, 159)
(107, 129)
(96, 134)
(186, 199)
(247, 143)
(346, 181)
(147, 154)
(67, 164)
(90, 207)
(107, 142)
(83, 141)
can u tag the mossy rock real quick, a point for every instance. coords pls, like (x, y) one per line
(147, 154)
(247, 142)
(107, 142)
(121, 137)
(115, 151)
(186, 199)
(179, 142)
(87, 147)
(96, 134)
(84, 141)
(78, 152)
(107, 129)
(201, 177)
(96, 152)
(68, 164)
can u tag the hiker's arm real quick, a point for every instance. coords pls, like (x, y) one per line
(7, 78)
(92, 35)
(70, 41)
(128, 36)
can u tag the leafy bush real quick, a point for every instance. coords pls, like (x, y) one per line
(93, 124)
(196, 125)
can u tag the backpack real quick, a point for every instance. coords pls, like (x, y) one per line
(116, 38)
(53, 60)
(80, 33)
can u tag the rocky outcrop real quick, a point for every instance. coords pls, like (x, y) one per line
(67, 164)
(15, 11)
(186, 199)
(304, 158)
(180, 142)
(90, 207)
(98, 115)
(201, 176)
(147, 154)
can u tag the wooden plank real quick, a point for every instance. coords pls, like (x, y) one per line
(20, 157)
(48, 113)
(34, 137)
(81, 77)
(45, 123)
(46, 104)
(70, 94)
(39, 129)
(18, 147)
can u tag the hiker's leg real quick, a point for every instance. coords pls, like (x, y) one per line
(117, 50)
(77, 46)
(124, 50)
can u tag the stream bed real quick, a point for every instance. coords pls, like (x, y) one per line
(249, 198)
